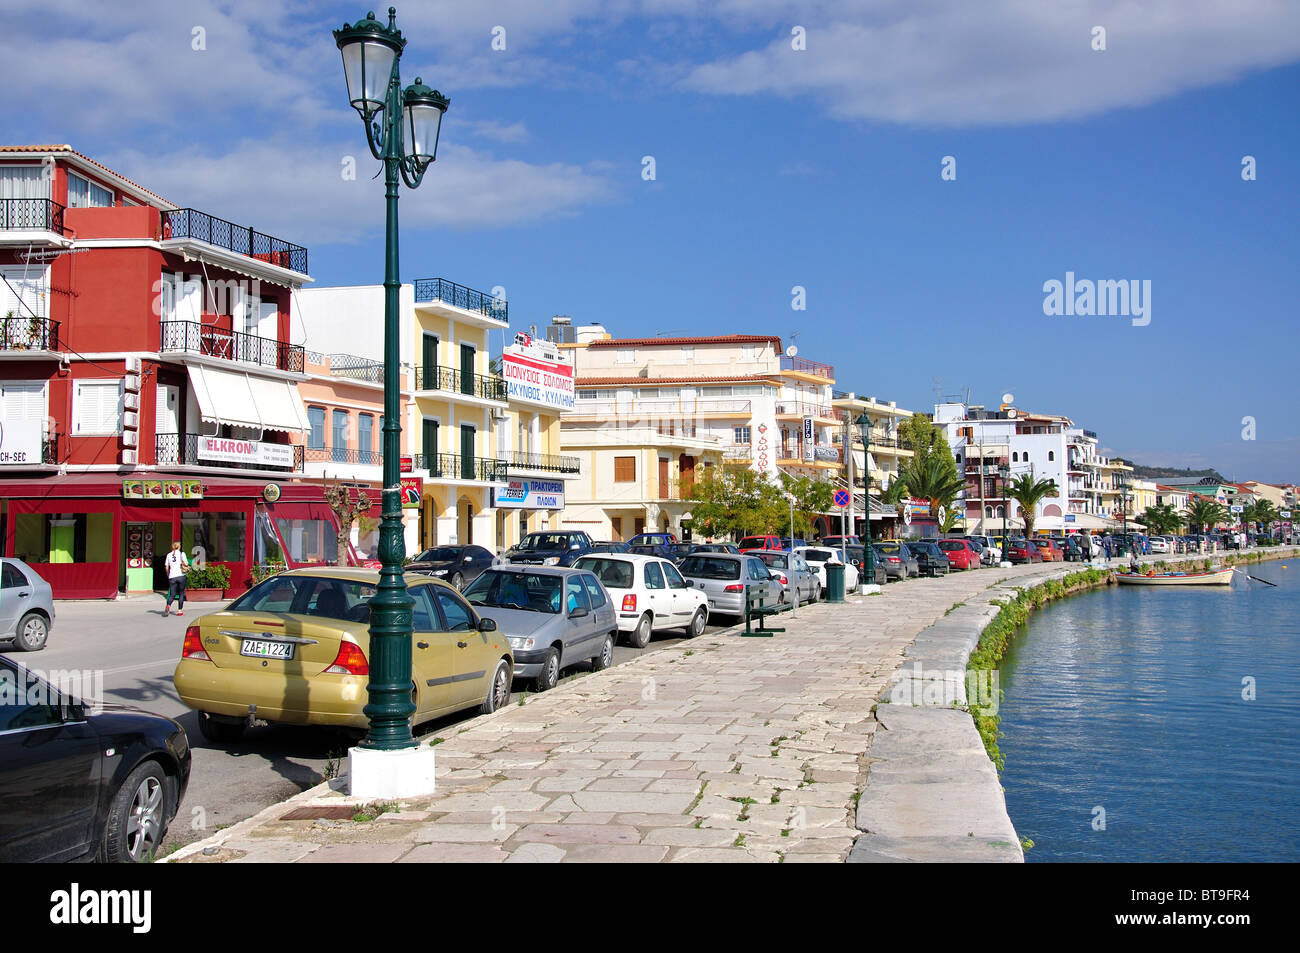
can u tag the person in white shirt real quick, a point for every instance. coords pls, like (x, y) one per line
(176, 564)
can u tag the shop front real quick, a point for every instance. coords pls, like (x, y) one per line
(93, 537)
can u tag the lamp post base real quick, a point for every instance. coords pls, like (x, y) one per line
(1006, 565)
(392, 775)
(869, 589)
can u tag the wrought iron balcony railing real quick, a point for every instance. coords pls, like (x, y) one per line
(202, 227)
(518, 460)
(34, 214)
(344, 455)
(453, 466)
(210, 341)
(182, 449)
(54, 448)
(448, 292)
(805, 366)
(28, 334)
(438, 377)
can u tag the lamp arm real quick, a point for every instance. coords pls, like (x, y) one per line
(380, 136)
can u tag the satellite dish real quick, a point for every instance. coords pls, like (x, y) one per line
(791, 351)
(1008, 398)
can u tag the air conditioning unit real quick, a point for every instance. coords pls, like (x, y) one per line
(131, 382)
(133, 365)
(131, 401)
(131, 420)
(129, 438)
(128, 457)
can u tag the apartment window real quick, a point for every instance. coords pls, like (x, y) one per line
(1015, 458)
(747, 390)
(316, 418)
(23, 182)
(625, 469)
(1026, 457)
(365, 439)
(22, 291)
(688, 353)
(97, 408)
(1051, 455)
(740, 435)
(626, 357)
(22, 400)
(747, 352)
(339, 437)
(82, 193)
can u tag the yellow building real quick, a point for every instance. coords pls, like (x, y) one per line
(458, 403)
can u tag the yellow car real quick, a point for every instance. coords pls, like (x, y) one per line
(295, 649)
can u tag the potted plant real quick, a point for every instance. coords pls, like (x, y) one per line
(207, 584)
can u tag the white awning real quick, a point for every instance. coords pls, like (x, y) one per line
(245, 400)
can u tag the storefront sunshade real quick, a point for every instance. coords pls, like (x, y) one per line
(243, 400)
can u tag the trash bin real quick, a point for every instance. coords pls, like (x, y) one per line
(834, 582)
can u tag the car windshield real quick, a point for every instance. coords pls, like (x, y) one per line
(775, 560)
(533, 591)
(949, 545)
(346, 599)
(710, 567)
(441, 554)
(887, 547)
(614, 573)
(753, 542)
(537, 542)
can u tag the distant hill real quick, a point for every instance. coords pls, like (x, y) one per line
(1159, 473)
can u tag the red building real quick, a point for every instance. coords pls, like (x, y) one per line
(148, 389)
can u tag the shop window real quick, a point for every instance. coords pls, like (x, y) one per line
(309, 541)
(63, 537)
(266, 543)
(223, 536)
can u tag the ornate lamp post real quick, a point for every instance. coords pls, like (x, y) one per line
(1123, 511)
(863, 423)
(1004, 471)
(402, 131)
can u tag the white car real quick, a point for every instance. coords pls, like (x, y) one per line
(818, 556)
(1159, 544)
(649, 595)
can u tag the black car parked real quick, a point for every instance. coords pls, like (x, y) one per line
(929, 557)
(458, 565)
(78, 782)
(550, 548)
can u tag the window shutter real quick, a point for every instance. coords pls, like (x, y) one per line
(25, 401)
(98, 407)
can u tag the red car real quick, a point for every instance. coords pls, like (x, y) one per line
(1022, 551)
(961, 554)
(1051, 552)
(759, 542)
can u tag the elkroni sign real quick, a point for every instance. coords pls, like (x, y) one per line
(537, 375)
(251, 453)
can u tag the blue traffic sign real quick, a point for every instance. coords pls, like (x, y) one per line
(841, 497)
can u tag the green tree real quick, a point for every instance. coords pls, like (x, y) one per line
(1261, 513)
(1161, 518)
(1205, 513)
(735, 501)
(933, 477)
(1029, 490)
(811, 498)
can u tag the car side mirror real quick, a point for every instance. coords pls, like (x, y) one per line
(469, 559)
(579, 613)
(487, 625)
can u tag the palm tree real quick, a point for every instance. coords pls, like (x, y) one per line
(1162, 518)
(1204, 513)
(1261, 513)
(931, 479)
(1029, 491)
(897, 494)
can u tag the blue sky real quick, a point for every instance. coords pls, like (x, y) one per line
(775, 167)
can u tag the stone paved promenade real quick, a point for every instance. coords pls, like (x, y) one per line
(721, 749)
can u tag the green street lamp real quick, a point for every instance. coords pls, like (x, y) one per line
(863, 423)
(402, 130)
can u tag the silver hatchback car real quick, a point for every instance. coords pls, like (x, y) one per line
(553, 617)
(726, 579)
(799, 581)
(26, 606)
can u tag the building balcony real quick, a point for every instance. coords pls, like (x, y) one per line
(737, 452)
(19, 334)
(31, 215)
(343, 455)
(518, 460)
(190, 337)
(436, 377)
(430, 290)
(182, 449)
(187, 223)
(802, 365)
(791, 408)
(453, 466)
(675, 488)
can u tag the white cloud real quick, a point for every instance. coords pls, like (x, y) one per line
(939, 62)
(296, 190)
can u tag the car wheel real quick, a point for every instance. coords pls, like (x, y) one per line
(33, 629)
(606, 657)
(457, 581)
(498, 695)
(137, 818)
(219, 732)
(640, 637)
(550, 674)
(696, 628)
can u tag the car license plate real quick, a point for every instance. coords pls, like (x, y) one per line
(260, 649)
